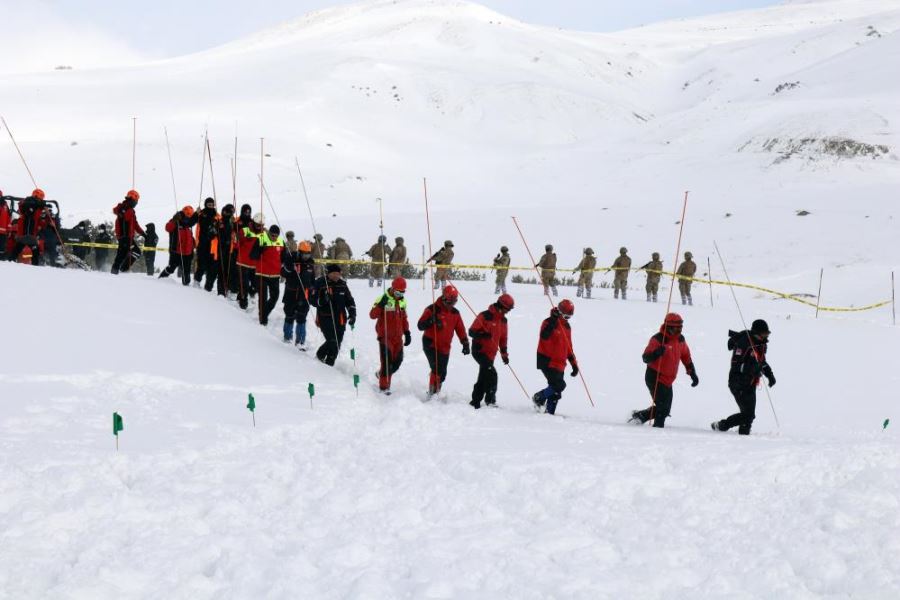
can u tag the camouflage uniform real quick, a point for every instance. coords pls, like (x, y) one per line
(443, 257)
(547, 265)
(621, 265)
(398, 258)
(653, 269)
(341, 251)
(501, 266)
(687, 269)
(380, 253)
(586, 279)
(318, 253)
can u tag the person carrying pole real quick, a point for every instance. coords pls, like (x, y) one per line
(392, 331)
(298, 270)
(126, 226)
(489, 334)
(267, 252)
(438, 323)
(335, 309)
(553, 351)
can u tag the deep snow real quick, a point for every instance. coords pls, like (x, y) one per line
(376, 497)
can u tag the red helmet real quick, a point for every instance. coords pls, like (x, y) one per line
(398, 284)
(38, 193)
(506, 302)
(450, 294)
(566, 307)
(673, 320)
(132, 195)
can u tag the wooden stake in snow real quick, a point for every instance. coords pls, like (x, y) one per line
(819, 295)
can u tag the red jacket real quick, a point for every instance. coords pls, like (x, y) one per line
(4, 218)
(555, 344)
(126, 220)
(441, 335)
(390, 318)
(488, 333)
(184, 242)
(246, 235)
(667, 365)
(269, 263)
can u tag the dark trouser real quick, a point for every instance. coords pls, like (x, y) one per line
(122, 261)
(228, 273)
(206, 266)
(661, 394)
(150, 262)
(27, 242)
(246, 284)
(296, 308)
(745, 396)
(438, 363)
(334, 336)
(552, 394)
(390, 357)
(180, 262)
(3, 238)
(486, 385)
(268, 296)
(100, 256)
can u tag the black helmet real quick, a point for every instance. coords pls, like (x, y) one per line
(504, 249)
(759, 327)
(549, 247)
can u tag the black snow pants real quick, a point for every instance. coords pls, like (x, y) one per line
(661, 394)
(268, 296)
(486, 385)
(745, 396)
(334, 336)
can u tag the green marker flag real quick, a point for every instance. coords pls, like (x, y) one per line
(312, 390)
(886, 423)
(118, 424)
(352, 353)
(251, 405)
(356, 381)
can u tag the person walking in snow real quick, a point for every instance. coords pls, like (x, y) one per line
(335, 309)
(207, 245)
(586, 279)
(298, 271)
(438, 323)
(267, 253)
(398, 258)
(654, 273)
(501, 267)
(380, 253)
(126, 227)
(181, 244)
(227, 244)
(247, 230)
(489, 335)
(151, 239)
(686, 272)
(663, 353)
(392, 331)
(547, 264)
(443, 260)
(748, 364)
(554, 349)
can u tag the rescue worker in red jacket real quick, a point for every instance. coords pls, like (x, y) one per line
(554, 349)
(28, 228)
(299, 272)
(748, 365)
(489, 334)
(5, 218)
(663, 353)
(181, 244)
(267, 252)
(438, 323)
(392, 331)
(126, 227)
(247, 230)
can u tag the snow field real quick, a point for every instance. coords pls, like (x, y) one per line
(388, 497)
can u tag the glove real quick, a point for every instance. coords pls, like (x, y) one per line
(574, 370)
(658, 352)
(695, 381)
(466, 350)
(771, 377)
(407, 338)
(351, 321)
(383, 302)
(438, 323)
(504, 357)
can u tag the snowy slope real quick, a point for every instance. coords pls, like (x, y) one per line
(373, 497)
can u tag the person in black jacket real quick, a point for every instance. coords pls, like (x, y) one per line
(298, 270)
(207, 263)
(101, 254)
(748, 363)
(335, 309)
(151, 239)
(226, 233)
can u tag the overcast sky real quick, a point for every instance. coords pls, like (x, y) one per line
(164, 28)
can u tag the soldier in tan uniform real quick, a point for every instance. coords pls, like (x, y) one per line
(586, 279)
(398, 258)
(621, 265)
(547, 264)
(686, 269)
(443, 258)
(653, 268)
(380, 253)
(501, 266)
(341, 251)
(318, 253)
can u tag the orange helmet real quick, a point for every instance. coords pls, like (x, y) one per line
(38, 193)
(132, 195)
(304, 247)
(188, 211)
